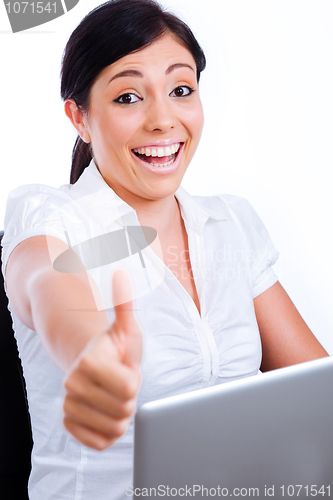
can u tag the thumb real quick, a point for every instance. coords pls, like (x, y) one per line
(125, 325)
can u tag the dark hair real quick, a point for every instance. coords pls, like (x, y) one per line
(109, 32)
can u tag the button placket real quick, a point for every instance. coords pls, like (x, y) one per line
(206, 338)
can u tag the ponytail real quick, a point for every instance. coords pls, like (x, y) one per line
(81, 157)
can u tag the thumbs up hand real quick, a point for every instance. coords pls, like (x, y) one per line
(103, 382)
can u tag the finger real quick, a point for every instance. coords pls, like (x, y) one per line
(102, 380)
(87, 436)
(104, 402)
(94, 419)
(100, 399)
(125, 325)
(122, 295)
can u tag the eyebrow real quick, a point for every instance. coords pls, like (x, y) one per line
(178, 65)
(135, 72)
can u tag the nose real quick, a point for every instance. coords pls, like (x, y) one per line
(160, 115)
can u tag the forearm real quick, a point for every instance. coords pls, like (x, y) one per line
(64, 314)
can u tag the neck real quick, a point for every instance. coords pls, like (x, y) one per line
(161, 214)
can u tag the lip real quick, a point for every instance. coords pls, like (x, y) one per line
(162, 170)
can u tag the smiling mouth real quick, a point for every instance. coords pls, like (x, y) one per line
(158, 157)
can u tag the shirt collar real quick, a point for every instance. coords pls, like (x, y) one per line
(100, 198)
(196, 210)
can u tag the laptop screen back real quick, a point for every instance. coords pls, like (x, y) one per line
(265, 436)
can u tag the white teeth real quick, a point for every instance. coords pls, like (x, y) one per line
(160, 152)
(163, 164)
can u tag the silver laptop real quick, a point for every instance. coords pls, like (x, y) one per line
(264, 436)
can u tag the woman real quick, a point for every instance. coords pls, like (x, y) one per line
(203, 291)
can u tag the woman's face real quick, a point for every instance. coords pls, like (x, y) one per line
(143, 105)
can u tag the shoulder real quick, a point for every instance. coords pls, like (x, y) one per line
(222, 207)
(38, 192)
(231, 206)
(245, 229)
(240, 215)
(29, 206)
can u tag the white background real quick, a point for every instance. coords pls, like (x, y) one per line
(268, 101)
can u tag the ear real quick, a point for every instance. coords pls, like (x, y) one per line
(78, 119)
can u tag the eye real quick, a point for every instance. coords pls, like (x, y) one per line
(183, 91)
(127, 99)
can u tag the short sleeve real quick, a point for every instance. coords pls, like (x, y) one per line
(29, 212)
(260, 251)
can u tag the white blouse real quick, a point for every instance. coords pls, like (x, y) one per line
(231, 256)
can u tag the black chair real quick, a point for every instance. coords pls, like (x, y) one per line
(15, 428)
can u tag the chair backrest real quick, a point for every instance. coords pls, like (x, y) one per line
(15, 428)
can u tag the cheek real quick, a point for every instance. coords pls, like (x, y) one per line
(196, 121)
(121, 127)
